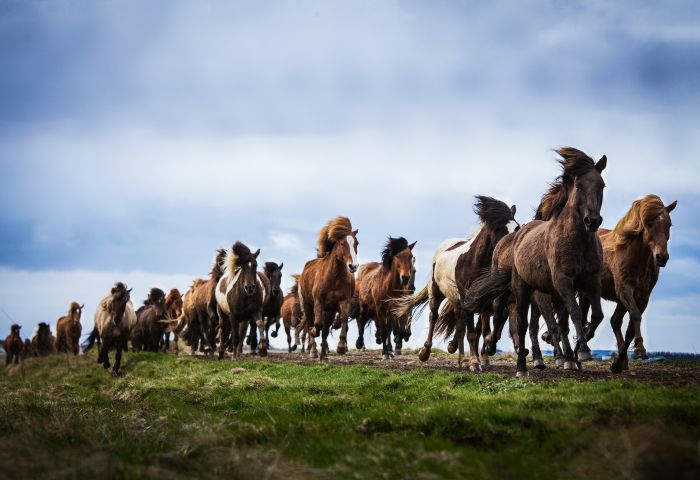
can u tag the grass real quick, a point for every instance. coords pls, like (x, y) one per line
(180, 417)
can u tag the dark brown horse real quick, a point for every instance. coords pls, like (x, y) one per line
(633, 253)
(43, 342)
(327, 283)
(240, 296)
(383, 282)
(559, 257)
(271, 309)
(456, 263)
(13, 345)
(114, 319)
(149, 329)
(173, 308)
(291, 317)
(68, 330)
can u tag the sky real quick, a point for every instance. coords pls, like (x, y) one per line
(136, 138)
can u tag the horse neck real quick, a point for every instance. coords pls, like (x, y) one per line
(572, 223)
(640, 254)
(390, 278)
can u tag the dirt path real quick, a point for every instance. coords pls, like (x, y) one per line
(671, 373)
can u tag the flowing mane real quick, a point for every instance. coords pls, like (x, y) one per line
(237, 255)
(574, 163)
(642, 212)
(334, 230)
(172, 295)
(118, 290)
(491, 212)
(217, 271)
(393, 247)
(295, 288)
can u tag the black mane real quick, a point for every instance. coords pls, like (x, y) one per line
(393, 246)
(493, 213)
(574, 163)
(269, 268)
(217, 271)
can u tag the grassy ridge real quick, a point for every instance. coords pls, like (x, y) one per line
(63, 416)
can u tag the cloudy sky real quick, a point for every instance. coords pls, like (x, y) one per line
(138, 137)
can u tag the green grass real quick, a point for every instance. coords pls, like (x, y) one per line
(64, 417)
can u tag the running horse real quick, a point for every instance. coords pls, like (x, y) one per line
(559, 257)
(327, 283)
(68, 329)
(456, 263)
(114, 319)
(381, 283)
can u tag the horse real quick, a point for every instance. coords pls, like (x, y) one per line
(402, 325)
(43, 342)
(383, 282)
(633, 254)
(68, 330)
(327, 283)
(240, 295)
(149, 329)
(173, 308)
(114, 319)
(271, 309)
(199, 319)
(560, 257)
(291, 317)
(26, 349)
(13, 345)
(456, 263)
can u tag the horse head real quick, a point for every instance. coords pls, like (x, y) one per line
(345, 251)
(120, 297)
(398, 255)
(274, 273)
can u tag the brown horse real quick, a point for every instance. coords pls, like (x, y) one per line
(149, 329)
(271, 309)
(327, 283)
(291, 317)
(456, 263)
(13, 345)
(68, 330)
(240, 295)
(43, 342)
(173, 308)
(114, 319)
(559, 257)
(633, 253)
(383, 282)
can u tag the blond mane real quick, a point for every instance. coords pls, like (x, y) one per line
(334, 230)
(642, 211)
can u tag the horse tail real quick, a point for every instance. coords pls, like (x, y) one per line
(487, 288)
(409, 306)
(446, 323)
(94, 336)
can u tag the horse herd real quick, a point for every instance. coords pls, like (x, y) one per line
(557, 266)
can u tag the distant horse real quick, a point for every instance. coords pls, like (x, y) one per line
(149, 329)
(456, 263)
(291, 317)
(68, 330)
(173, 308)
(13, 345)
(114, 319)
(327, 283)
(199, 319)
(240, 296)
(271, 309)
(633, 253)
(559, 257)
(26, 349)
(43, 342)
(383, 282)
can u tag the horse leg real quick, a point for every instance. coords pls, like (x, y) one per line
(434, 304)
(523, 295)
(104, 354)
(361, 323)
(537, 360)
(484, 326)
(288, 331)
(343, 339)
(616, 324)
(639, 350)
(327, 319)
(513, 324)
(628, 300)
(118, 358)
(565, 289)
(500, 309)
(546, 308)
(473, 334)
(388, 330)
(277, 327)
(262, 331)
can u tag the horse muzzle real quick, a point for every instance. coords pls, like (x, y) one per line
(592, 222)
(661, 259)
(249, 289)
(352, 267)
(405, 280)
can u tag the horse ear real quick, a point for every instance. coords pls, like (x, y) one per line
(129, 291)
(410, 247)
(182, 295)
(602, 163)
(354, 232)
(671, 206)
(512, 210)
(281, 265)
(257, 252)
(82, 306)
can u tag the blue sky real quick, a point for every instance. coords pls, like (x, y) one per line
(138, 137)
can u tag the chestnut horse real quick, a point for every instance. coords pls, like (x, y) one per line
(291, 317)
(240, 295)
(327, 283)
(381, 283)
(13, 345)
(43, 342)
(559, 257)
(68, 330)
(633, 253)
(456, 263)
(173, 308)
(114, 319)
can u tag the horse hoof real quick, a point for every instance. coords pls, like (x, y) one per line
(341, 350)
(640, 355)
(475, 368)
(570, 365)
(397, 352)
(115, 373)
(292, 348)
(485, 362)
(263, 352)
(385, 356)
(615, 367)
(273, 334)
(521, 374)
(538, 363)
(424, 354)
(359, 345)
(313, 354)
(452, 347)
(559, 362)
(584, 356)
